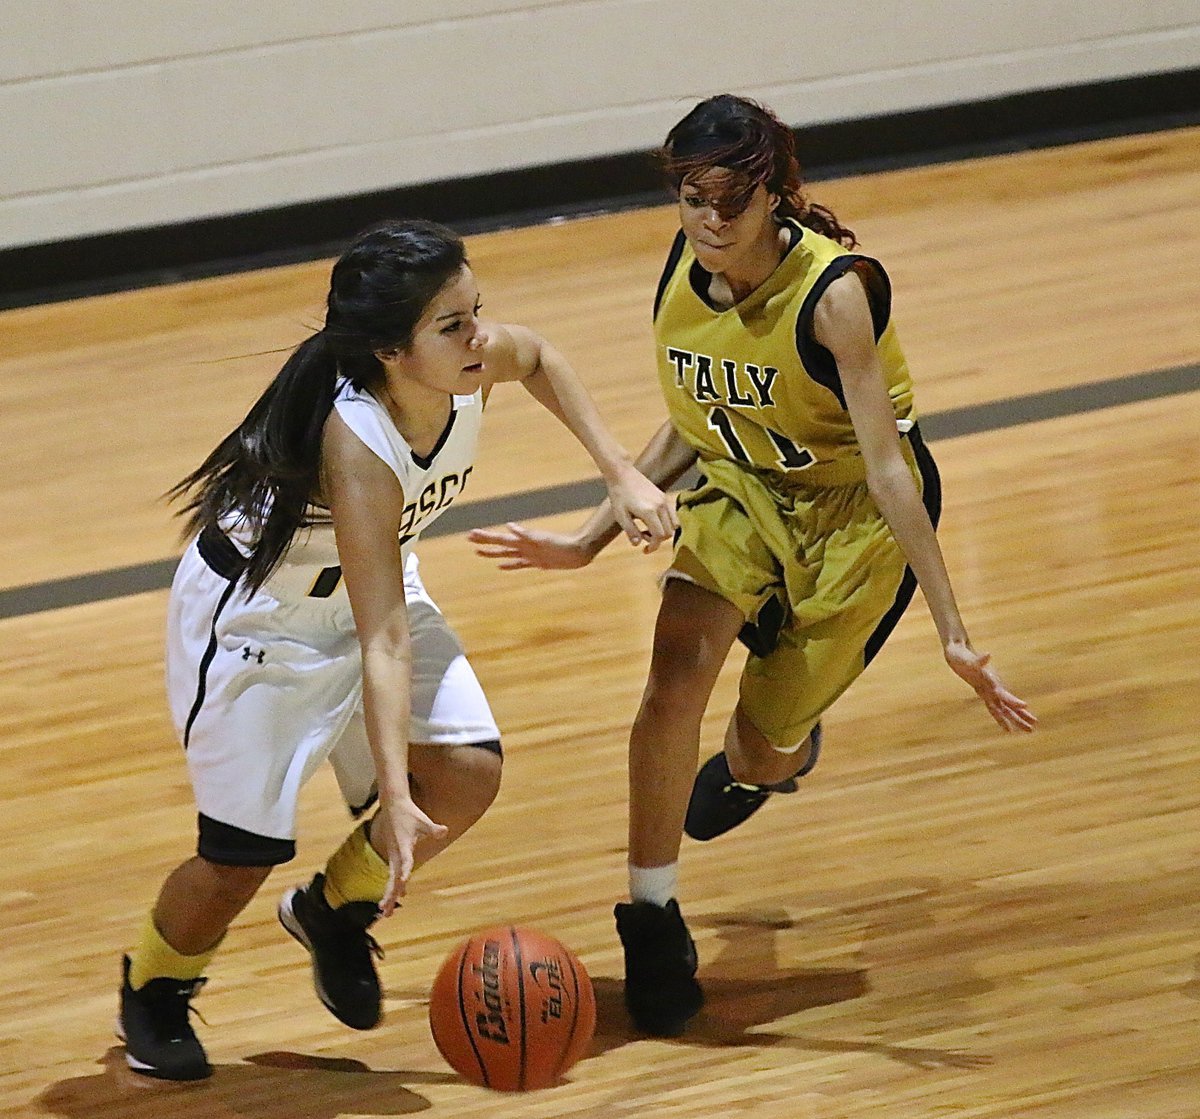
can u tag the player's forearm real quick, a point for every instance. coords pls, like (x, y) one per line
(896, 495)
(557, 387)
(387, 710)
(666, 457)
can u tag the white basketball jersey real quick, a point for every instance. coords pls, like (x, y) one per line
(430, 482)
(263, 687)
(310, 567)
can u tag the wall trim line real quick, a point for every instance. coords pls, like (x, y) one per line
(135, 258)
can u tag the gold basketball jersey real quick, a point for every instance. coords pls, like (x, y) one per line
(750, 383)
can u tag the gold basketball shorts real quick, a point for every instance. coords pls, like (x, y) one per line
(814, 570)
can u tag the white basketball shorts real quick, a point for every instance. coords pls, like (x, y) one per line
(263, 690)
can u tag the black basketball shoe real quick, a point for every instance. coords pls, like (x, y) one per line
(719, 803)
(661, 992)
(153, 1023)
(343, 952)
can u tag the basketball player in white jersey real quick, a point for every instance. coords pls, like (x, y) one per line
(299, 629)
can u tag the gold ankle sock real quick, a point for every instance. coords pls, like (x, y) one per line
(153, 958)
(355, 872)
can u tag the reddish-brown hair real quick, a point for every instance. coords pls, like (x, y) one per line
(750, 141)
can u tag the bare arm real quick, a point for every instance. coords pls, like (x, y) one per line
(366, 502)
(842, 324)
(635, 505)
(664, 460)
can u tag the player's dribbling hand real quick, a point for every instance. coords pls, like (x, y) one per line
(402, 825)
(517, 547)
(1009, 711)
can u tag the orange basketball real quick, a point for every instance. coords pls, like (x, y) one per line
(512, 1009)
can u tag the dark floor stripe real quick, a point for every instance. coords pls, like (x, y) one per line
(96, 586)
(1055, 403)
(974, 419)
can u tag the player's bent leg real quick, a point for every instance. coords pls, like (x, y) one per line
(164, 971)
(755, 760)
(331, 916)
(735, 783)
(200, 899)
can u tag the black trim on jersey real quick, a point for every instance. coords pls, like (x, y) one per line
(220, 553)
(326, 582)
(426, 461)
(669, 269)
(817, 360)
(931, 497)
(232, 846)
(207, 659)
(761, 635)
(223, 557)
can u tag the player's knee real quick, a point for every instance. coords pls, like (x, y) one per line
(664, 707)
(479, 778)
(672, 692)
(490, 767)
(233, 883)
(754, 758)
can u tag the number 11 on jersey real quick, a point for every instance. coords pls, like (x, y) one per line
(789, 457)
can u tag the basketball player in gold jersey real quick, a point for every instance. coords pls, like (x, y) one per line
(810, 527)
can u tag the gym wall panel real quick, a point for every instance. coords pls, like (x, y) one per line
(133, 113)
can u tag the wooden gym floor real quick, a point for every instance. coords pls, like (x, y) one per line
(945, 921)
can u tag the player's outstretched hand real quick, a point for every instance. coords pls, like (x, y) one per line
(402, 825)
(1009, 711)
(516, 547)
(646, 514)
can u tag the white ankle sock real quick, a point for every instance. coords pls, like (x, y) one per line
(655, 884)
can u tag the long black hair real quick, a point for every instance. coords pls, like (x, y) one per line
(265, 471)
(742, 136)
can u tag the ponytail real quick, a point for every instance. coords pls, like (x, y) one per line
(265, 472)
(820, 219)
(267, 468)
